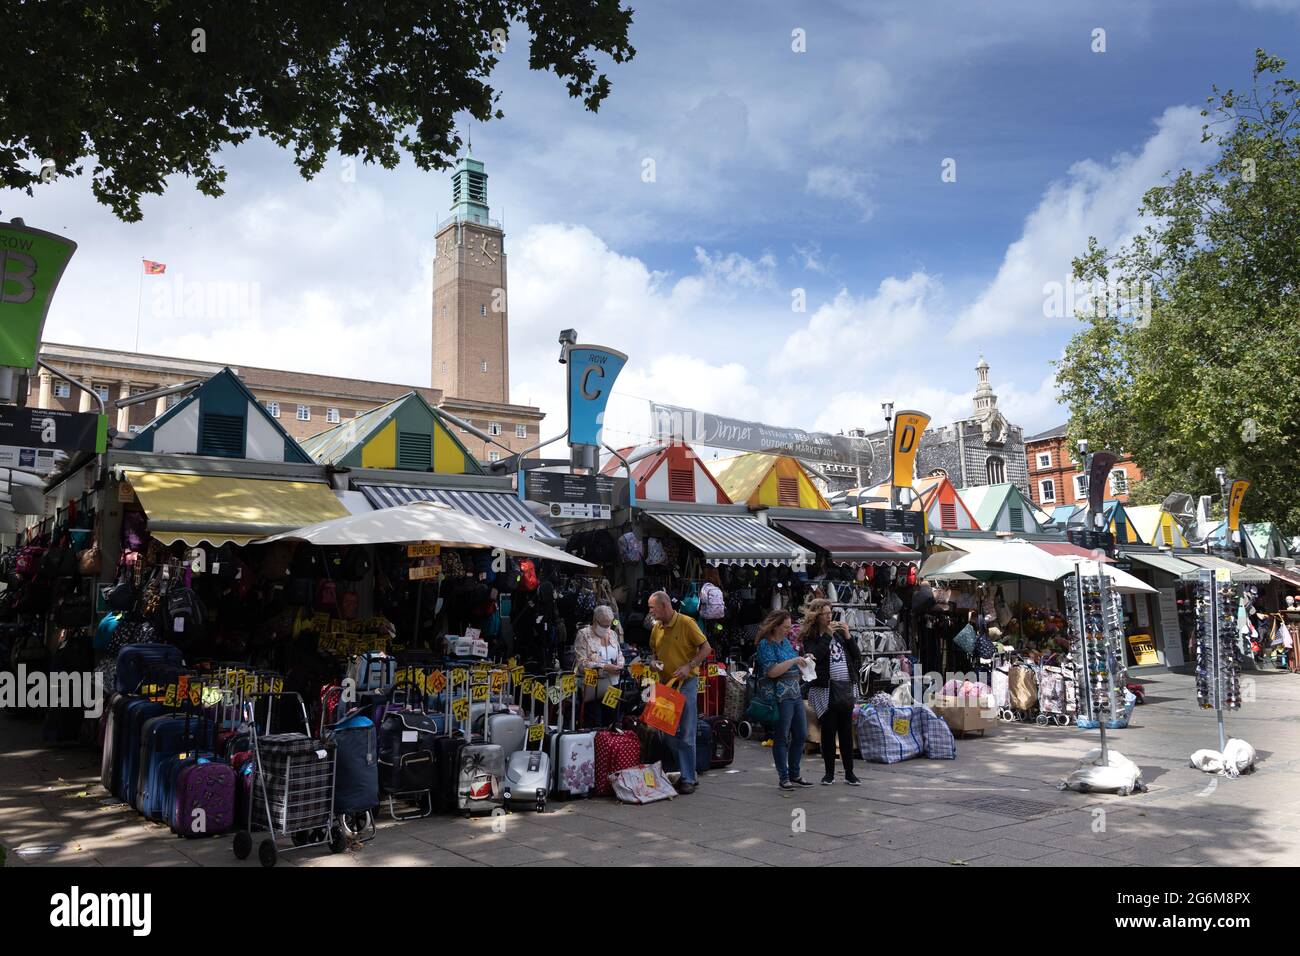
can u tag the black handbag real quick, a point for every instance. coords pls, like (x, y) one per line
(842, 697)
(120, 596)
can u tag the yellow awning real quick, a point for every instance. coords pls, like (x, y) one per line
(217, 509)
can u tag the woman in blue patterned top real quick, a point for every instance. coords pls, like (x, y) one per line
(778, 667)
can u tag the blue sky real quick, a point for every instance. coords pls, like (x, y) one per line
(774, 171)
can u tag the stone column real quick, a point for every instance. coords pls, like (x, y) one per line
(46, 398)
(87, 403)
(124, 414)
(159, 405)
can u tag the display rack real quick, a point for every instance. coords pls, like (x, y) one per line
(1100, 664)
(1218, 671)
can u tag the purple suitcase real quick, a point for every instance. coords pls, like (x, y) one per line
(209, 787)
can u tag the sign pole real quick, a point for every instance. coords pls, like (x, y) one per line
(139, 296)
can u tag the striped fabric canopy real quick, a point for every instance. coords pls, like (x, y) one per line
(734, 539)
(500, 507)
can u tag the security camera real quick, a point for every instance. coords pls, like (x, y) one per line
(568, 337)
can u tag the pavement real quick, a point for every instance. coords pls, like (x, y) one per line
(995, 805)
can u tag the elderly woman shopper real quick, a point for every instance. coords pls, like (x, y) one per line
(598, 648)
(832, 692)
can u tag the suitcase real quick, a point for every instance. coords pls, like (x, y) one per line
(528, 772)
(136, 661)
(446, 761)
(615, 750)
(711, 689)
(356, 771)
(481, 772)
(206, 785)
(408, 744)
(509, 730)
(162, 737)
(373, 670)
(127, 750)
(573, 756)
(114, 724)
(723, 730)
(703, 745)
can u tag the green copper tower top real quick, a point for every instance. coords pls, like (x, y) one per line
(469, 190)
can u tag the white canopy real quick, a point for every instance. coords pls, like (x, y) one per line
(1019, 559)
(424, 521)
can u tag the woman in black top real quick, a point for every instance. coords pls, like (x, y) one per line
(832, 693)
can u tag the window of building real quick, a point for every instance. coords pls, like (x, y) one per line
(102, 392)
(1118, 482)
(483, 366)
(521, 431)
(62, 390)
(494, 456)
(273, 408)
(494, 428)
(332, 416)
(1080, 486)
(304, 413)
(1047, 490)
(482, 310)
(996, 470)
(1045, 459)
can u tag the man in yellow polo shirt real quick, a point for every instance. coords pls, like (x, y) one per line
(679, 644)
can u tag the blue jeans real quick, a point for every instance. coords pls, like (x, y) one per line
(683, 745)
(791, 732)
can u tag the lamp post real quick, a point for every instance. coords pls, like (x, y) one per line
(888, 409)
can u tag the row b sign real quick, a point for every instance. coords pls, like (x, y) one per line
(31, 263)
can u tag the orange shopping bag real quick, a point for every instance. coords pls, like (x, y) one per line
(664, 709)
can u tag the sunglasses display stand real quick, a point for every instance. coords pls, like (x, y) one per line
(1101, 671)
(1218, 672)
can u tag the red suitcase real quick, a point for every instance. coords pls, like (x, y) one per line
(712, 689)
(616, 750)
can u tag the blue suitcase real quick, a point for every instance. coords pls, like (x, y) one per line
(703, 745)
(127, 751)
(163, 737)
(137, 661)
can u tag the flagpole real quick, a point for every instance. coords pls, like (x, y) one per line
(139, 295)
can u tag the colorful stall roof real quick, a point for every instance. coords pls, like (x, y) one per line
(669, 472)
(761, 480)
(221, 418)
(405, 434)
(1000, 508)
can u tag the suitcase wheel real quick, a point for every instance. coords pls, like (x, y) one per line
(338, 843)
(243, 845)
(266, 853)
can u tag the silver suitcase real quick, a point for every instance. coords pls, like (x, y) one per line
(528, 772)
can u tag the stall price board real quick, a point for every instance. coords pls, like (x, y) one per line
(423, 573)
(1144, 649)
(423, 550)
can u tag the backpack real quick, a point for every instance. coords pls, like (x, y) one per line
(184, 611)
(654, 552)
(629, 548)
(712, 605)
(527, 575)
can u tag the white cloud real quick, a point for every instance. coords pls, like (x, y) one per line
(839, 182)
(735, 269)
(1094, 199)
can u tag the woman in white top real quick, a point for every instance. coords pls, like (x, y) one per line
(599, 647)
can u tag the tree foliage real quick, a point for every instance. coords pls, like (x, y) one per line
(133, 88)
(1208, 374)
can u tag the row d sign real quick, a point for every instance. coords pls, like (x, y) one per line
(31, 263)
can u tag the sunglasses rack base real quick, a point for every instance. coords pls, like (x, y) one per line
(1218, 670)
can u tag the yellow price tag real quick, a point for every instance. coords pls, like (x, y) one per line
(459, 676)
(649, 777)
(570, 684)
(713, 670)
(250, 685)
(511, 662)
(183, 686)
(277, 686)
(612, 697)
(902, 726)
(636, 669)
(498, 681)
(539, 691)
(589, 677)
(436, 682)
(555, 695)
(535, 733)
(480, 669)
(460, 709)
(196, 694)
(479, 693)
(170, 700)
(516, 674)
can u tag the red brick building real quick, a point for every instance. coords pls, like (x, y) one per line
(1056, 478)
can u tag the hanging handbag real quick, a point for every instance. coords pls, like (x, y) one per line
(89, 562)
(690, 605)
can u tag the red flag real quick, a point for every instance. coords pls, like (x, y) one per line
(152, 268)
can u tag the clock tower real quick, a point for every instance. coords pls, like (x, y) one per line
(470, 322)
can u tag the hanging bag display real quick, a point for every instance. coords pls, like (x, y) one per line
(690, 605)
(654, 552)
(629, 547)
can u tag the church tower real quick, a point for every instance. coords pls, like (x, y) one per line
(986, 402)
(470, 321)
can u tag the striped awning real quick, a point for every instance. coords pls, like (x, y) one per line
(734, 539)
(1241, 574)
(1287, 575)
(1164, 562)
(500, 507)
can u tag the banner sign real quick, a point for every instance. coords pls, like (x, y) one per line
(908, 428)
(893, 522)
(674, 423)
(592, 371)
(1235, 494)
(31, 264)
(1099, 465)
(576, 496)
(30, 436)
